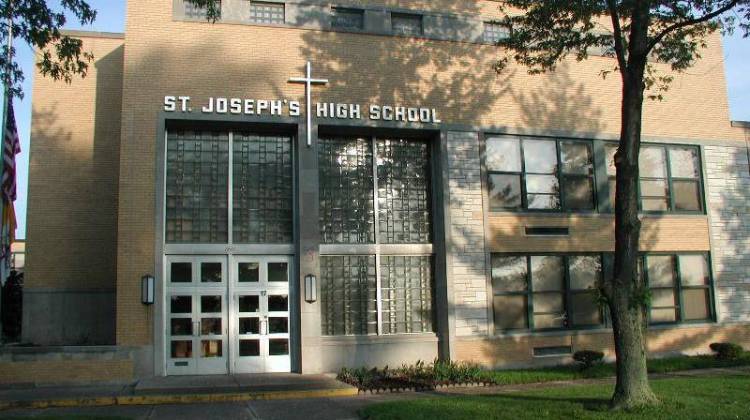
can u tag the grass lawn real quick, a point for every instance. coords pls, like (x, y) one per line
(683, 398)
(571, 372)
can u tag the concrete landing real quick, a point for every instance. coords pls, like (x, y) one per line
(181, 390)
(267, 382)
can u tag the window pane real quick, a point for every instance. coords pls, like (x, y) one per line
(576, 158)
(249, 348)
(262, 185)
(686, 195)
(696, 304)
(211, 348)
(278, 347)
(278, 272)
(503, 154)
(663, 315)
(505, 191)
(694, 270)
(540, 156)
(249, 326)
(654, 204)
(343, 18)
(211, 273)
(542, 184)
(661, 270)
(663, 298)
(585, 272)
(182, 349)
(406, 294)
(278, 303)
(543, 201)
(611, 169)
(267, 13)
(546, 273)
(510, 312)
(406, 24)
(181, 326)
(579, 193)
(404, 193)
(612, 193)
(653, 162)
(181, 272)
(210, 304)
(654, 189)
(196, 187)
(348, 300)
(211, 326)
(547, 321)
(494, 32)
(249, 303)
(248, 272)
(548, 302)
(347, 214)
(584, 310)
(683, 162)
(181, 304)
(197, 12)
(509, 274)
(278, 325)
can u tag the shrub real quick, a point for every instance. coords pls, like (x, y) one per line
(588, 358)
(727, 351)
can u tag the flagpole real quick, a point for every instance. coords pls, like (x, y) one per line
(7, 97)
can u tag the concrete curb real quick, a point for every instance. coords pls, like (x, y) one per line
(176, 399)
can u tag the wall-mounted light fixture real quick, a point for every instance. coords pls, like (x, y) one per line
(147, 289)
(311, 288)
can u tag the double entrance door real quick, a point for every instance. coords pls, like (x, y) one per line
(227, 314)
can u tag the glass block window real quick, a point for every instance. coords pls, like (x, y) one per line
(347, 214)
(262, 189)
(196, 187)
(546, 292)
(348, 286)
(267, 13)
(540, 174)
(406, 290)
(495, 32)
(680, 288)
(406, 24)
(197, 12)
(404, 201)
(345, 18)
(670, 178)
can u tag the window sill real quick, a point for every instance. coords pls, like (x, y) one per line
(378, 339)
(599, 330)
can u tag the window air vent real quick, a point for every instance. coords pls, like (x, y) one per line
(547, 231)
(553, 351)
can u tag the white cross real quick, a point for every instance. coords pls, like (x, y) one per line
(308, 81)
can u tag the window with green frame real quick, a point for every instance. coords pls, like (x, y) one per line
(546, 292)
(670, 178)
(529, 173)
(681, 288)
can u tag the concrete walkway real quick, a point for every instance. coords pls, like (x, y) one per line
(292, 408)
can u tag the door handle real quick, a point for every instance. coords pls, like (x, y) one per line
(263, 327)
(196, 328)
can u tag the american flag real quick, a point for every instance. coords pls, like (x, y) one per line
(11, 147)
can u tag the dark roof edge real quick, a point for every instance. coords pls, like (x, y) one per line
(742, 124)
(92, 34)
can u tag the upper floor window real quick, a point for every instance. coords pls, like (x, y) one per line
(540, 174)
(197, 12)
(406, 24)
(267, 12)
(495, 32)
(670, 178)
(346, 18)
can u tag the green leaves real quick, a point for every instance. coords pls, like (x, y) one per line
(39, 25)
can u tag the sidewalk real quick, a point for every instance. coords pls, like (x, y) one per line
(179, 390)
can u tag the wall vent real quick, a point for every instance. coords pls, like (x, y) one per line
(547, 231)
(553, 351)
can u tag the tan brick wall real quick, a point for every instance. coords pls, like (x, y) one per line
(73, 175)
(66, 371)
(595, 233)
(166, 57)
(517, 350)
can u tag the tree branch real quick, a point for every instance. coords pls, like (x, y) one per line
(619, 47)
(690, 22)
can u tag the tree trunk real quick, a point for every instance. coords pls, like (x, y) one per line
(627, 294)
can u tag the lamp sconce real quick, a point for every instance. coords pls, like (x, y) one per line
(147, 289)
(311, 288)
